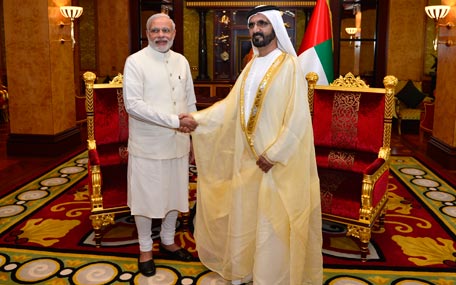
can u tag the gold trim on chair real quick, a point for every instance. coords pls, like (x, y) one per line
(101, 217)
(342, 158)
(89, 79)
(390, 83)
(349, 80)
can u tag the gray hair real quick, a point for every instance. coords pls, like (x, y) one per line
(158, 15)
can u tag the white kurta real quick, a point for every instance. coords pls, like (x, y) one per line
(248, 222)
(157, 87)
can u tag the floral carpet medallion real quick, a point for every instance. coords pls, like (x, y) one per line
(46, 237)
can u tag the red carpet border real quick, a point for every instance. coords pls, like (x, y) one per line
(45, 237)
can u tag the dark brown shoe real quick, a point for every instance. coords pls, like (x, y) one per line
(147, 268)
(181, 254)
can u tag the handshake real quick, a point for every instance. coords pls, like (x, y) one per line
(187, 123)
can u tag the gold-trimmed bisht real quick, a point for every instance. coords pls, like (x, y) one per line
(257, 106)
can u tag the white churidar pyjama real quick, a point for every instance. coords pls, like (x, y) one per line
(167, 232)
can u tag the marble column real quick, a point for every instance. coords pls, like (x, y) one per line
(41, 79)
(442, 144)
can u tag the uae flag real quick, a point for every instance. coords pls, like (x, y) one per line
(316, 50)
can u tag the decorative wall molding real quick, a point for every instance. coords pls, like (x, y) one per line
(43, 145)
(441, 152)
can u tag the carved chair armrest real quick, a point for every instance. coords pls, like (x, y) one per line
(95, 180)
(94, 158)
(426, 100)
(375, 177)
(374, 166)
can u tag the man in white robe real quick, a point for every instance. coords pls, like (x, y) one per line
(258, 212)
(157, 87)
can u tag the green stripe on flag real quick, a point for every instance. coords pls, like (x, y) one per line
(324, 52)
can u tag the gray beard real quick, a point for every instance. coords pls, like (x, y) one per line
(260, 40)
(160, 48)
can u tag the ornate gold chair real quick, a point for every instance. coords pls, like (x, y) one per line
(107, 128)
(409, 100)
(352, 132)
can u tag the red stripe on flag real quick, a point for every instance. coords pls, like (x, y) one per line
(319, 27)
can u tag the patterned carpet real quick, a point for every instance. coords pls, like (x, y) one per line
(45, 237)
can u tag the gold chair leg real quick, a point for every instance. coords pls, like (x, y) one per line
(364, 238)
(380, 222)
(364, 251)
(99, 224)
(97, 237)
(185, 218)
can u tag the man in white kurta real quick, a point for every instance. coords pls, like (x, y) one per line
(258, 201)
(157, 88)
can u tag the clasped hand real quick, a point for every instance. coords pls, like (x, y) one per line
(264, 164)
(187, 123)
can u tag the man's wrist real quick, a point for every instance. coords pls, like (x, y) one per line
(265, 156)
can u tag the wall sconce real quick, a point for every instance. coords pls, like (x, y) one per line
(438, 12)
(351, 31)
(72, 12)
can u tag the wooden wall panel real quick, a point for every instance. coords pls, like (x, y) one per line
(113, 36)
(445, 103)
(406, 39)
(40, 68)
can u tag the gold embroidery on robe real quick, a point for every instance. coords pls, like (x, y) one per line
(258, 101)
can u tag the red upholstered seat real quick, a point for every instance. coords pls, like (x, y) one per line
(107, 127)
(337, 196)
(352, 132)
(344, 159)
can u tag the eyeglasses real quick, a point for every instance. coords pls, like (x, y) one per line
(260, 24)
(157, 30)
